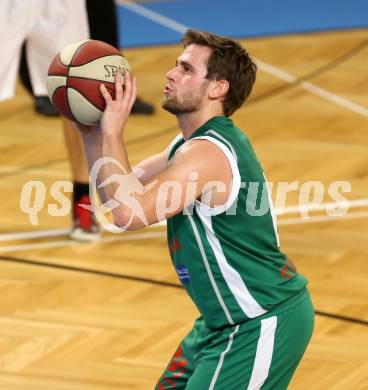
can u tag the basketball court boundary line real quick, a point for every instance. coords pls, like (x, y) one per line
(87, 270)
(322, 218)
(70, 242)
(28, 235)
(161, 234)
(263, 66)
(133, 278)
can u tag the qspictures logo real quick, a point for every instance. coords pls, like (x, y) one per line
(125, 191)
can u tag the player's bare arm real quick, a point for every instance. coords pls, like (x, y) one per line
(157, 196)
(151, 166)
(198, 167)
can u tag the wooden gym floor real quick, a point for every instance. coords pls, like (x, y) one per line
(109, 315)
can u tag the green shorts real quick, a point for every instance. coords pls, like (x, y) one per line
(262, 353)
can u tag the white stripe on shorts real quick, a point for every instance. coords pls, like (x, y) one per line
(222, 357)
(262, 361)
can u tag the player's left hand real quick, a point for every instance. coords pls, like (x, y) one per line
(117, 110)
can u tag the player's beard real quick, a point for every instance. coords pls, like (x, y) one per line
(190, 102)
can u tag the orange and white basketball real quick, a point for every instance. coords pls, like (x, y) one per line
(75, 75)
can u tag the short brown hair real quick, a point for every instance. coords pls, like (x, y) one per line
(228, 61)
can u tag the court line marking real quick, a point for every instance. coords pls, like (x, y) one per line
(70, 242)
(144, 280)
(154, 16)
(34, 234)
(161, 234)
(322, 218)
(322, 206)
(263, 66)
(27, 235)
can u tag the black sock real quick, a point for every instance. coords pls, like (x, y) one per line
(79, 190)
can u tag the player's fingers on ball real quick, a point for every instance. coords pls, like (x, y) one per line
(133, 87)
(127, 89)
(105, 93)
(127, 84)
(118, 87)
(133, 95)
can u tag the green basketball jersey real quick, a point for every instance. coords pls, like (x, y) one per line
(228, 257)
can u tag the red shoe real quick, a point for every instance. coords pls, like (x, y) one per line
(85, 226)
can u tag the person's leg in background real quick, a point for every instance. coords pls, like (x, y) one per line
(42, 103)
(63, 22)
(93, 16)
(85, 226)
(8, 72)
(16, 20)
(102, 23)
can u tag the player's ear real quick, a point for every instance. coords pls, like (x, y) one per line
(219, 89)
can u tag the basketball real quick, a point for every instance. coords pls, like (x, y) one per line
(75, 75)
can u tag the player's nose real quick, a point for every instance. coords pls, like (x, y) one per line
(170, 75)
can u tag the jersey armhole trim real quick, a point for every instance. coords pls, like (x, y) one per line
(235, 187)
(173, 143)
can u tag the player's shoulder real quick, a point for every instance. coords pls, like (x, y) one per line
(199, 145)
(198, 152)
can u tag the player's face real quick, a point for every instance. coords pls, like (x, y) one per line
(186, 90)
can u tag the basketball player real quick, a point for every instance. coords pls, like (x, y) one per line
(256, 314)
